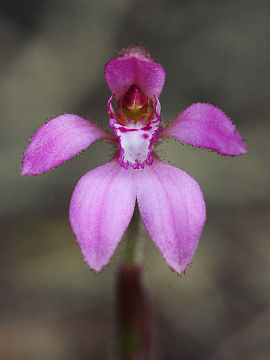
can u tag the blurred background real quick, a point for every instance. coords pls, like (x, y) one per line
(52, 61)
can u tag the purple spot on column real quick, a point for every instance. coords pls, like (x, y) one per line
(147, 127)
(124, 130)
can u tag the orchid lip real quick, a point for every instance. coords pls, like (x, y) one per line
(135, 129)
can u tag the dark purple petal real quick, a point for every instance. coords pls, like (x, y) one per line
(208, 127)
(134, 66)
(101, 208)
(173, 211)
(59, 140)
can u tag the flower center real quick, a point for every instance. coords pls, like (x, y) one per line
(135, 125)
(134, 105)
(134, 99)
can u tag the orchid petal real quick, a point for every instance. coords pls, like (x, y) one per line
(173, 211)
(101, 208)
(206, 126)
(134, 66)
(59, 140)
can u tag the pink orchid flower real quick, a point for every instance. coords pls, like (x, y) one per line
(170, 201)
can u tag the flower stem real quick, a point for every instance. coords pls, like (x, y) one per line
(133, 315)
(133, 308)
(131, 239)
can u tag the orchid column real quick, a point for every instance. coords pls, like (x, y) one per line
(170, 201)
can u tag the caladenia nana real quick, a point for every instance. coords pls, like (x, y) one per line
(169, 200)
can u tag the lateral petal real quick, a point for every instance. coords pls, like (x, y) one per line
(59, 140)
(206, 126)
(173, 211)
(101, 208)
(134, 66)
